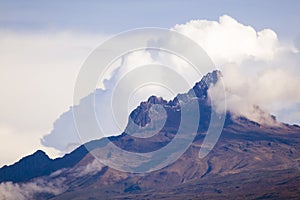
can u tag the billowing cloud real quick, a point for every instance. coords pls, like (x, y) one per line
(272, 90)
(258, 69)
(230, 41)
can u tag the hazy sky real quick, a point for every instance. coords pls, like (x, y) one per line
(44, 43)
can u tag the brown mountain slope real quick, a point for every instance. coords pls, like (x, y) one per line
(248, 162)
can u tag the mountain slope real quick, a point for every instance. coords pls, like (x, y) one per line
(248, 162)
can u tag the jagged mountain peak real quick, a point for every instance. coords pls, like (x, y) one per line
(140, 115)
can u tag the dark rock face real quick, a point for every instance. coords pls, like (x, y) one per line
(141, 114)
(200, 88)
(27, 168)
(39, 164)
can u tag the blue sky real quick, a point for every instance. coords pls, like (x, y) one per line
(115, 16)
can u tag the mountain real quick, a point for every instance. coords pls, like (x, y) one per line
(39, 164)
(249, 161)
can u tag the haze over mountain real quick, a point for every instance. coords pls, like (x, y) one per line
(251, 160)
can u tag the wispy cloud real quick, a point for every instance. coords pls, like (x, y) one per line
(24, 191)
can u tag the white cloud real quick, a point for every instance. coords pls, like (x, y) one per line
(272, 90)
(258, 68)
(230, 41)
(91, 168)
